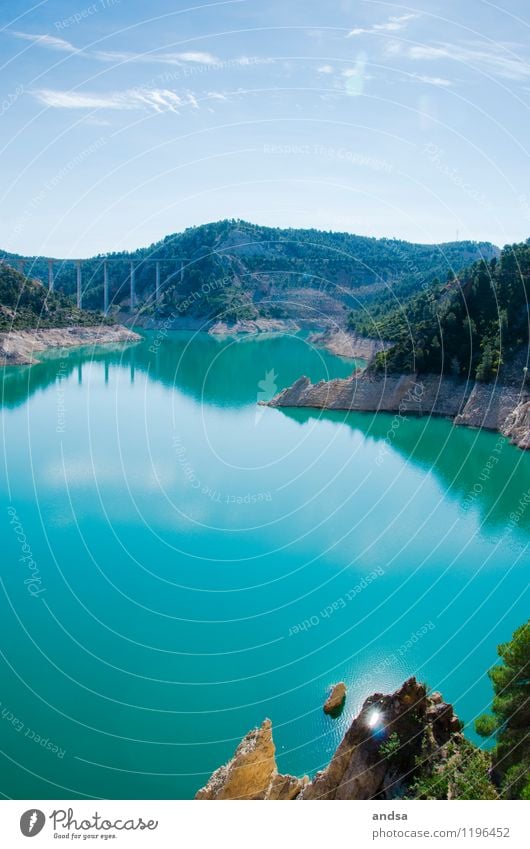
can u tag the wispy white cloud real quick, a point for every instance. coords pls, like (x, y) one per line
(201, 58)
(155, 58)
(495, 59)
(325, 69)
(392, 24)
(160, 100)
(75, 100)
(51, 42)
(439, 81)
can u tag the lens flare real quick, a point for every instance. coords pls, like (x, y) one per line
(374, 719)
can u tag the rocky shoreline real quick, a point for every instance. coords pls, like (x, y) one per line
(219, 328)
(350, 345)
(501, 406)
(252, 327)
(17, 347)
(395, 741)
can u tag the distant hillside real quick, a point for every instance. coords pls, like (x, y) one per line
(235, 270)
(26, 303)
(470, 325)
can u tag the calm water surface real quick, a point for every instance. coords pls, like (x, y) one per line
(204, 562)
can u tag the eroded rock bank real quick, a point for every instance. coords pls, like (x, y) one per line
(500, 406)
(393, 748)
(351, 345)
(217, 328)
(252, 327)
(18, 347)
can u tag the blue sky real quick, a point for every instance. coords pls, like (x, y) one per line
(123, 121)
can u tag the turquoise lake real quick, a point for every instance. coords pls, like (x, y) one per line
(180, 563)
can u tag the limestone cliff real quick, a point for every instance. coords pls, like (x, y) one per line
(252, 773)
(408, 743)
(501, 406)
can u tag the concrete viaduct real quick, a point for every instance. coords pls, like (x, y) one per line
(20, 265)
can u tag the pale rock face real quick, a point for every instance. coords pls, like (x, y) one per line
(344, 344)
(251, 327)
(494, 406)
(517, 425)
(252, 773)
(18, 347)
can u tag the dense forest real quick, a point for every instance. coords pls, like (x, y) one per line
(469, 325)
(26, 303)
(233, 269)
(509, 721)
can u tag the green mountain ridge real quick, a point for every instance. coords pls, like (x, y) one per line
(235, 270)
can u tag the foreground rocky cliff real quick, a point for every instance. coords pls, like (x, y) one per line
(18, 347)
(406, 744)
(500, 406)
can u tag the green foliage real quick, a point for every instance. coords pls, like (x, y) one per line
(485, 725)
(467, 326)
(463, 773)
(391, 746)
(510, 715)
(26, 303)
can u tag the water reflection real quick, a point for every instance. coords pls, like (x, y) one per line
(479, 469)
(229, 373)
(224, 372)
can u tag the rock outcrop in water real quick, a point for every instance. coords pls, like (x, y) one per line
(500, 406)
(396, 741)
(335, 701)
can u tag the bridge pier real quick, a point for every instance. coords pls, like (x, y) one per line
(157, 283)
(133, 285)
(105, 288)
(50, 274)
(79, 291)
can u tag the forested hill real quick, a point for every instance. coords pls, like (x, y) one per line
(26, 303)
(234, 270)
(470, 325)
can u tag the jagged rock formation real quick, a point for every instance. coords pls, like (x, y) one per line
(494, 406)
(360, 769)
(517, 425)
(335, 701)
(252, 773)
(394, 741)
(17, 347)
